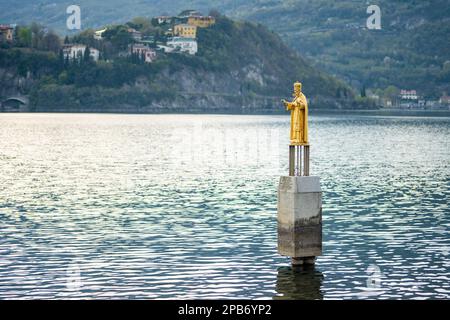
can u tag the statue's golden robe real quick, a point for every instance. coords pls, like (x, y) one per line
(299, 120)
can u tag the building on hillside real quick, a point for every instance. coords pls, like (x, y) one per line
(94, 54)
(387, 103)
(164, 20)
(77, 51)
(409, 99)
(6, 32)
(188, 13)
(201, 21)
(185, 31)
(141, 50)
(180, 44)
(409, 95)
(375, 98)
(136, 35)
(444, 100)
(98, 35)
(73, 51)
(147, 41)
(169, 33)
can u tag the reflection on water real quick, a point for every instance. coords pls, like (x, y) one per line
(299, 283)
(173, 206)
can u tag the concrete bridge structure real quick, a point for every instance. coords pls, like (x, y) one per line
(14, 104)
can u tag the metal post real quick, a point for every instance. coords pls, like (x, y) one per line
(306, 164)
(300, 160)
(292, 160)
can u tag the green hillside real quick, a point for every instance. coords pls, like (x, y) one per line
(239, 67)
(411, 51)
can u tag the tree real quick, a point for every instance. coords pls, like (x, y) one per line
(214, 13)
(87, 55)
(37, 35)
(140, 23)
(79, 58)
(446, 66)
(61, 59)
(85, 37)
(24, 36)
(51, 42)
(363, 91)
(119, 37)
(62, 78)
(391, 92)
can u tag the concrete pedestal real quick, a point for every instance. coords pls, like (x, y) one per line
(300, 218)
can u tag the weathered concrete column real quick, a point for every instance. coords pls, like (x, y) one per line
(300, 218)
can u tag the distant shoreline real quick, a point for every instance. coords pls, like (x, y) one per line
(379, 112)
(386, 112)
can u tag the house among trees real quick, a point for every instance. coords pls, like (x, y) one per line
(409, 95)
(410, 99)
(188, 17)
(73, 52)
(444, 100)
(201, 21)
(98, 35)
(163, 20)
(185, 31)
(136, 35)
(143, 52)
(6, 32)
(180, 44)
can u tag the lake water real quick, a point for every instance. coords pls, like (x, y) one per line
(184, 206)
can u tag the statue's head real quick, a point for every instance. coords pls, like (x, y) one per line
(297, 88)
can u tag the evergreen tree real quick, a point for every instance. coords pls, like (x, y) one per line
(61, 61)
(87, 55)
(79, 58)
(66, 60)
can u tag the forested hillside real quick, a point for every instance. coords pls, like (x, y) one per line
(411, 50)
(239, 67)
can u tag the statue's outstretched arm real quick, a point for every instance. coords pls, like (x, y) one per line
(288, 105)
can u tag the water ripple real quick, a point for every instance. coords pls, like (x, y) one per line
(160, 207)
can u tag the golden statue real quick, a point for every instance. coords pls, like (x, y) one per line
(299, 116)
